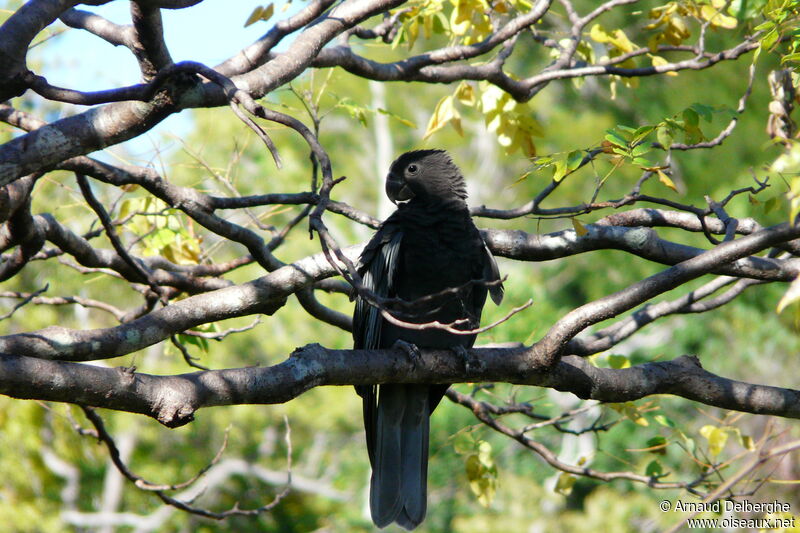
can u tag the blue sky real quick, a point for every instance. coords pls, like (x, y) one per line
(209, 33)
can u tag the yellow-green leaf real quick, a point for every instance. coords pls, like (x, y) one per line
(791, 295)
(254, 17)
(560, 170)
(618, 361)
(444, 113)
(716, 437)
(665, 180)
(465, 94)
(659, 61)
(565, 483)
(268, 12)
(717, 18)
(772, 204)
(664, 135)
(398, 118)
(482, 473)
(260, 13)
(580, 229)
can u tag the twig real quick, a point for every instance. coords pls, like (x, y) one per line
(159, 490)
(451, 327)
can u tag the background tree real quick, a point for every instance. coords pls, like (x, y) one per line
(658, 137)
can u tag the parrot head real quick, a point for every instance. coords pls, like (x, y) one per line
(427, 176)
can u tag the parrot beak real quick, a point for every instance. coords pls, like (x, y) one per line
(397, 189)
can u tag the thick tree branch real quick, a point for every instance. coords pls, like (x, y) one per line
(264, 295)
(173, 400)
(105, 29)
(117, 122)
(149, 47)
(641, 241)
(267, 294)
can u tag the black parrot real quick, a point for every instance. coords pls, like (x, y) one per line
(427, 245)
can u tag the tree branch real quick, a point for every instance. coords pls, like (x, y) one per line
(173, 400)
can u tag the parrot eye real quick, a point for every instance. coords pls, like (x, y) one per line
(412, 168)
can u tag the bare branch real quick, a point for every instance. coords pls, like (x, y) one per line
(173, 400)
(89, 303)
(159, 490)
(557, 338)
(149, 46)
(483, 414)
(95, 24)
(693, 302)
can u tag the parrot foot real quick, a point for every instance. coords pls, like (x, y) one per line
(411, 350)
(470, 362)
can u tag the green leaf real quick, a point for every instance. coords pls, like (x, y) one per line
(642, 132)
(621, 151)
(693, 134)
(200, 342)
(615, 138)
(769, 39)
(268, 12)
(772, 204)
(654, 469)
(664, 135)
(574, 159)
(746, 9)
(690, 117)
(658, 445)
(354, 110)
(463, 442)
(790, 57)
(398, 118)
(703, 110)
(627, 129)
(618, 361)
(640, 149)
(664, 421)
(161, 238)
(485, 453)
(767, 25)
(688, 442)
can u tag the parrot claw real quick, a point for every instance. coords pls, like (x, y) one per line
(470, 362)
(411, 350)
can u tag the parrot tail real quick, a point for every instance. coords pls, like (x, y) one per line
(398, 440)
